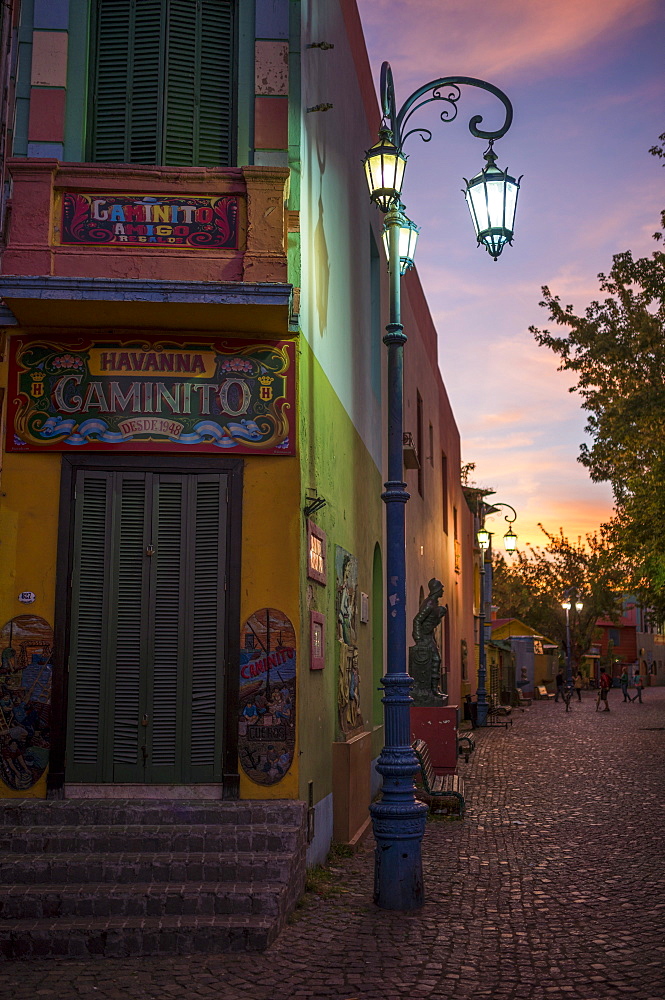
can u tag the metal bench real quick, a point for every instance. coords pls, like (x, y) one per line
(522, 702)
(465, 747)
(438, 787)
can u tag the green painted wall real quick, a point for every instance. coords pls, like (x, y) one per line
(335, 461)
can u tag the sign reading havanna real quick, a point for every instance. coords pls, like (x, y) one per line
(151, 395)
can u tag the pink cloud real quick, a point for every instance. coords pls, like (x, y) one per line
(506, 35)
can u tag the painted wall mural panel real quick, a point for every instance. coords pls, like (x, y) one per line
(346, 606)
(267, 706)
(151, 394)
(26, 645)
(132, 220)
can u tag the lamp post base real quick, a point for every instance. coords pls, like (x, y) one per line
(482, 709)
(398, 869)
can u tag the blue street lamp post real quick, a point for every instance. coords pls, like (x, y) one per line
(484, 539)
(567, 604)
(399, 819)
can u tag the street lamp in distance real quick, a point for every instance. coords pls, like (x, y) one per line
(567, 604)
(484, 540)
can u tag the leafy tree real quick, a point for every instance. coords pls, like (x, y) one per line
(617, 352)
(532, 585)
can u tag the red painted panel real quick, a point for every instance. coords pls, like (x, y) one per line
(438, 728)
(47, 114)
(271, 123)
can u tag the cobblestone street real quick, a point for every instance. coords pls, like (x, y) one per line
(551, 888)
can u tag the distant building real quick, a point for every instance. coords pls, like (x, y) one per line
(536, 658)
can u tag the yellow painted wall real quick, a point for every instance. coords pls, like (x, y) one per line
(29, 500)
(271, 521)
(29, 503)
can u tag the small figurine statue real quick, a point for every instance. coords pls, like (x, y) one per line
(424, 657)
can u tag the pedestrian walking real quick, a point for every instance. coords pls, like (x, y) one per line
(639, 687)
(579, 683)
(624, 684)
(558, 680)
(603, 691)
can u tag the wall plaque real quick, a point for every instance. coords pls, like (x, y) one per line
(317, 568)
(151, 394)
(166, 221)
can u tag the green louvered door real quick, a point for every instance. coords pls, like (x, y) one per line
(146, 662)
(162, 82)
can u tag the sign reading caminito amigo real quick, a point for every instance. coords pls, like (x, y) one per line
(163, 221)
(150, 394)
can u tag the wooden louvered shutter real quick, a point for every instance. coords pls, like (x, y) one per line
(168, 622)
(127, 109)
(217, 75)
(146, 97)
(89, 646)
(199, 77)
(128, 597)
(207, 621)
(163, 82)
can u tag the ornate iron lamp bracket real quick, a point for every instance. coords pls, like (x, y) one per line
(491, 508)
(446, 89)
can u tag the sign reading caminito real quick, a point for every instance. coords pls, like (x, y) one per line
(151, 394)
(124, 220)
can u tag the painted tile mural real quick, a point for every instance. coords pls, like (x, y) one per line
(346, 606)
(26, 644)
(266, 725)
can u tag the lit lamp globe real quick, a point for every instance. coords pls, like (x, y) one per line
(510, 540)
(483, 539)
(408, 237)
(578, 605)
(492, 199)
(384, 170)
(566, 605)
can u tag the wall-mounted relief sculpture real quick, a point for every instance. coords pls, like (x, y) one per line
(346, 606)
(26, 644)
(424, 657)
(267, 703)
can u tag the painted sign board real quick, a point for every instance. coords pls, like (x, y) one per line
(267, 696)
(154, 221)
(151, 394)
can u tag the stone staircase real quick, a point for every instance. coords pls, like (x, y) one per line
(116, 877)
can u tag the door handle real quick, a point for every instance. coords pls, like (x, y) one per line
(144, 751)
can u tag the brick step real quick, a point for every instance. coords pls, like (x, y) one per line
(97, 900)
(124, 937)
(127, 812)
(123, 868)
(109, 839)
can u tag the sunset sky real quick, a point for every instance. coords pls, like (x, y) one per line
(587, 85)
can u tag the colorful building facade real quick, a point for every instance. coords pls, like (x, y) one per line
(193, 297)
